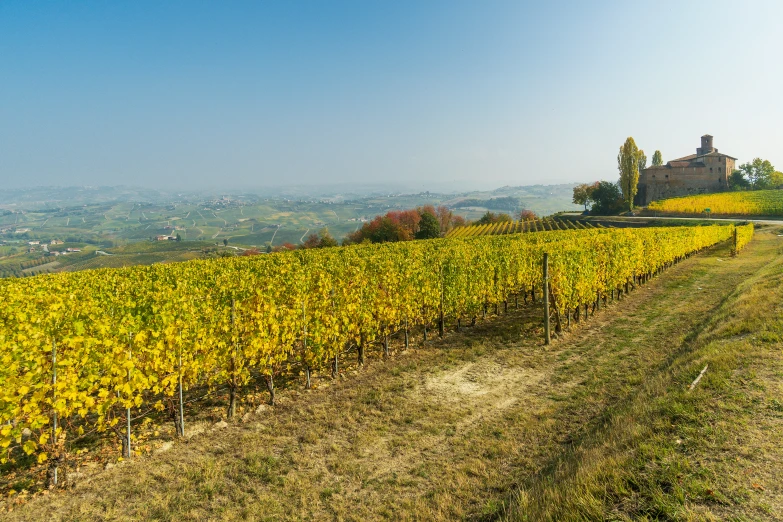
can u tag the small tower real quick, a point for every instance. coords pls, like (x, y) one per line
(706, 145)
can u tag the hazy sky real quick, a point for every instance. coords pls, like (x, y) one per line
(474, 93)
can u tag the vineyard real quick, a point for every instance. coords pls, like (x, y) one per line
(85, 352)
(752, 203)
(515, 227)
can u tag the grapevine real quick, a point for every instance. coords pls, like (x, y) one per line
(126, 338)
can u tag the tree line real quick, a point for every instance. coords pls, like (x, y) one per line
(425, 222)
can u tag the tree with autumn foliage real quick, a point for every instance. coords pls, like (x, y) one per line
(321, 240)
(583, 194)
(527, 215)
(424, 222)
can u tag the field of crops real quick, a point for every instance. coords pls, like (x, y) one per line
(86, 352)
(751, 203)
(515, 227)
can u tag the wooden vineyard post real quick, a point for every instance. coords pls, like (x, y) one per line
(304, 346)
(734, 250)
(128, 410)
(547, 334)
(232, 385)
(181, 424)
(53, 476)
(407, 338)
(440, 322)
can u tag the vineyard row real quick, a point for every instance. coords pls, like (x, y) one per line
(80, 351)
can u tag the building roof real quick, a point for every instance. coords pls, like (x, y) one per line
(691, 157)
(686, 158)
(716, 153)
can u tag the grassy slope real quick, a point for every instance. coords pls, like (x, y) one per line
(664, 452)
(488, 424)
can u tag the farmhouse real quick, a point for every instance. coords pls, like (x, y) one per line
(706, 171)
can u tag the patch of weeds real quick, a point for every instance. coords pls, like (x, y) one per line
(372, 398)
(26, 483)
(328, 493)
(491, 453)
(263, 467)
(421, 471)
(308, 437)
(493, 508)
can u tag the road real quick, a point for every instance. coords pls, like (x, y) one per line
(760, 221)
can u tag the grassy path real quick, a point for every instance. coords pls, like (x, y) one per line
(484, 424)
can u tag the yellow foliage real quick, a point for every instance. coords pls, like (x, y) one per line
(128, 336)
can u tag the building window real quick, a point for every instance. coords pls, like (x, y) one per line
(710, 169)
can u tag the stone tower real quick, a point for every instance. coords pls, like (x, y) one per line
(706, 146)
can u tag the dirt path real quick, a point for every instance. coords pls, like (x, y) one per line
(445, 431)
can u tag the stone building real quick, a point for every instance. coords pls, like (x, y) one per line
(706, 171)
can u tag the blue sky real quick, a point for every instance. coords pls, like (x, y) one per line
(431, 94)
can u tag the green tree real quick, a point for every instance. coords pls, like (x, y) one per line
(758, 172)
(607, 198)
(179, 238)
(737, 181)
(628, 161)
(776, 179)
(642, 160)
(269, 249)
(657, 159)
(491, 217)
(429, 227)
(327, 240)
(225, 242)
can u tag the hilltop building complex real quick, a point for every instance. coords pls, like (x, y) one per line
(706, 171)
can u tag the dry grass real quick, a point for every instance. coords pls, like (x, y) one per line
(489, 424)
(665, 453)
